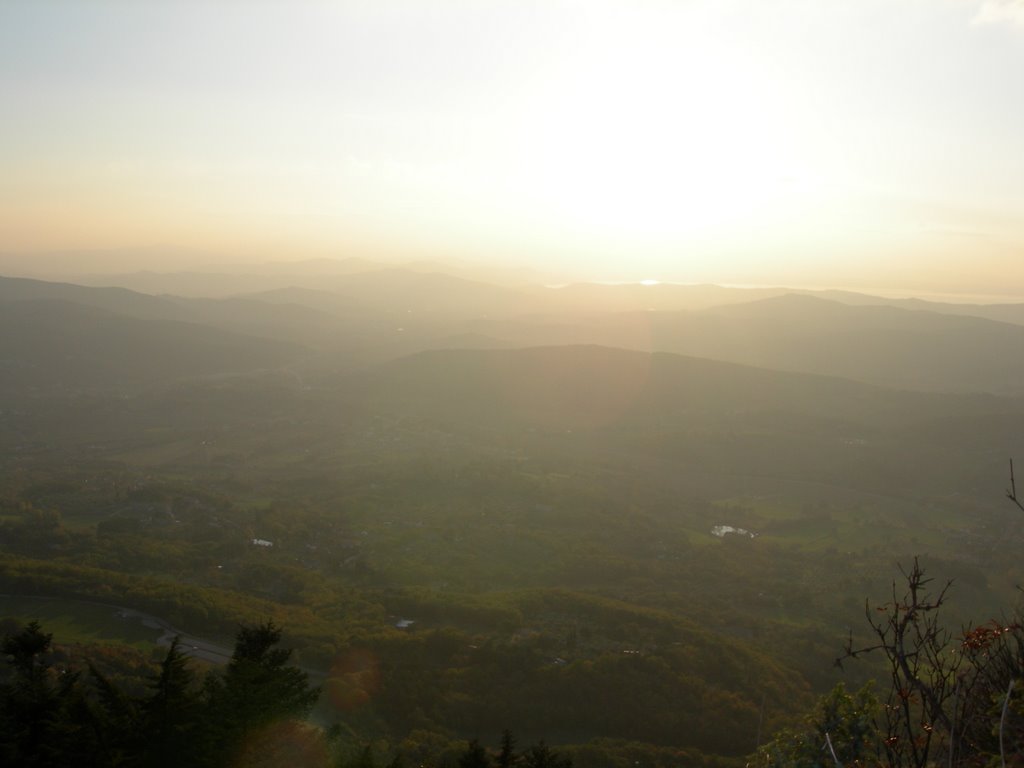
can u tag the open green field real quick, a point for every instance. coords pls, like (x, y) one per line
(79, 621)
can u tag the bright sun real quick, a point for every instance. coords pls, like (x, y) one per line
(651, 138)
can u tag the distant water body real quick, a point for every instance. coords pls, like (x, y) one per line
(887, 293)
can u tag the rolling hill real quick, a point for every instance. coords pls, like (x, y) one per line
(54, 345)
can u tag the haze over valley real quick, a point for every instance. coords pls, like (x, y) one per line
(506, 465)
(527, 385)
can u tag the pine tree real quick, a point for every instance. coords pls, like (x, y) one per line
(540, 755)
(114, 718)
(171, 715)
(31, 732)
(475, 756)
(257, 688)
(507, 757)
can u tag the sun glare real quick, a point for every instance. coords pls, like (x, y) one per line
(680, 134)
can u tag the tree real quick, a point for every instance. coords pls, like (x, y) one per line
(257, 688)
(947, 694)
(365, 759)
(992, 720)
(922, 673)
(25, 651)
(507, 756)
(171, 715)
(33, 726)
(48, 717)
(115, 721)
(475, 756)
(840, 731)
(540, 755)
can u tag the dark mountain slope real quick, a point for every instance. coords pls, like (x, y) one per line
(111, 299)
(888, 346)
(50, 345)
(277, 320)
(575, 383)
(725, 428)
(884, 345)
(1001, 312)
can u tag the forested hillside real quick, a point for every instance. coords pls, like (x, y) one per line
(632, 556)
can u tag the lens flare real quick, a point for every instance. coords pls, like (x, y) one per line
(289, 743)
(353, 680)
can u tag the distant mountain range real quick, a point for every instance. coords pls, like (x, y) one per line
(343, 316)
(52, 345)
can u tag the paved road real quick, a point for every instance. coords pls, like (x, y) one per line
(196, 647)
(190, 645)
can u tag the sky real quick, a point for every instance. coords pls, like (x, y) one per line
(854, 143)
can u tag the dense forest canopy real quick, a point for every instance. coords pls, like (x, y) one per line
(625, 536)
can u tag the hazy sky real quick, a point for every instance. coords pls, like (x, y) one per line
(851, 142)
